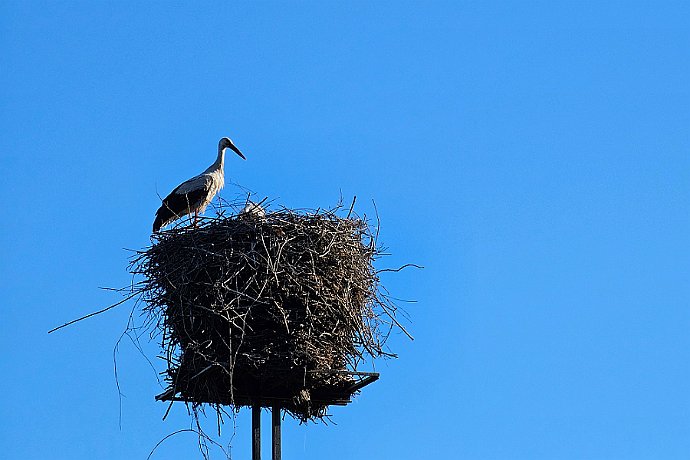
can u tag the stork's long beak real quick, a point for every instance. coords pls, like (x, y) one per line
(237, 151)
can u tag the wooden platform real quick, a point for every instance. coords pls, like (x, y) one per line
(337, 395)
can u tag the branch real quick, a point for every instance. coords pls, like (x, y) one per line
(96, 312)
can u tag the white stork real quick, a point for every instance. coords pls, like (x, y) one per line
(193, 195)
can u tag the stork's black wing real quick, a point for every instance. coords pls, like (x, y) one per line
(180, 202)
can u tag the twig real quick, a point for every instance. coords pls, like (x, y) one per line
(134, 294)
(399, 268)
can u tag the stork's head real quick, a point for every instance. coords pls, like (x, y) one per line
(226, 143)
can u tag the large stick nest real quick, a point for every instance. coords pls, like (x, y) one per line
(259, 310)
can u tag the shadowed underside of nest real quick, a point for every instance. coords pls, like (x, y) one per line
(262, 310)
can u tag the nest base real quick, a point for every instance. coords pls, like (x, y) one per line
(337, 395)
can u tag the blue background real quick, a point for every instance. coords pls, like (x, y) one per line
(533, 156)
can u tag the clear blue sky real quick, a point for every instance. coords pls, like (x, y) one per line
(534, 157)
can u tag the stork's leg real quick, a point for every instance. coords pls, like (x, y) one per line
(196, 218)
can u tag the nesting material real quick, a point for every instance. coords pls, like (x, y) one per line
(266, 309)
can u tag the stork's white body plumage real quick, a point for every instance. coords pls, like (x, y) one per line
(195, 194)
(211, 180)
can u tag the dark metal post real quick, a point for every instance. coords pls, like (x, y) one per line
(275, 414)
(256, 432)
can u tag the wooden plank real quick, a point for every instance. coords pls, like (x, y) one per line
(264, 402)
(275, 415)
(338, 395)
(341, 372)
(362, 383)
(256, 432)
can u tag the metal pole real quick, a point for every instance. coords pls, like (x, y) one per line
(275, 414)
(256, 432)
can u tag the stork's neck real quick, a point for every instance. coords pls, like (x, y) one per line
(219, 163)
